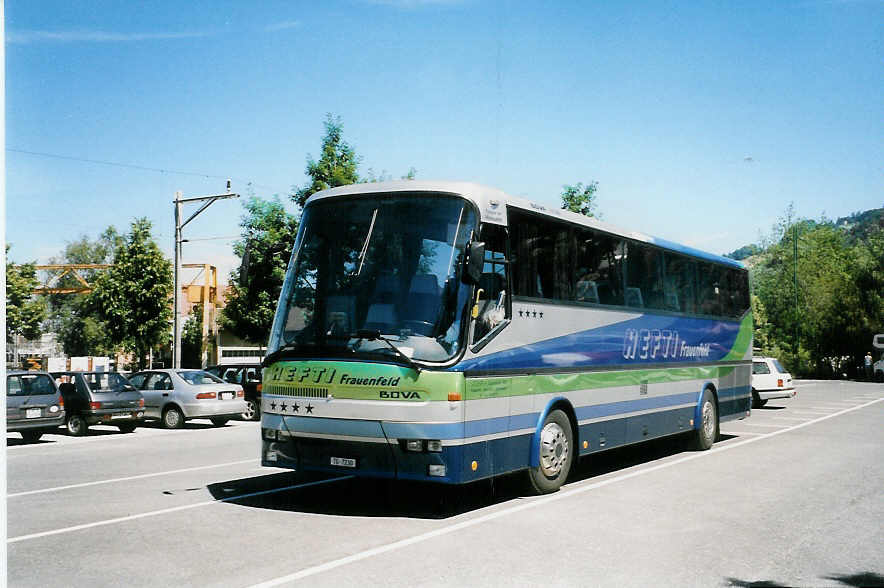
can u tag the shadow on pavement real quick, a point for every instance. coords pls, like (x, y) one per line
(857, 580)
(18, 440)
(319, 493)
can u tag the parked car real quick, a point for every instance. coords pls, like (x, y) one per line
(249, 377)
(175, 396)
(33, 404)
(770, 380)
(99, 398)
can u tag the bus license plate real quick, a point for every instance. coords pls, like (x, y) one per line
(32, 413)
(346, 462)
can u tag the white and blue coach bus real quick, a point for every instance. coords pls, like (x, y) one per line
(449, 332)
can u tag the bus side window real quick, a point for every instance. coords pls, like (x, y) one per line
(644, 277)
(708, 289)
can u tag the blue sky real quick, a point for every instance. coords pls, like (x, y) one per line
(700, 121)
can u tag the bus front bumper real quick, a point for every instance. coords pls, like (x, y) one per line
(369, 459)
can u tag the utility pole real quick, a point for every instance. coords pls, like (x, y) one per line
(206, 202)
(795, 279)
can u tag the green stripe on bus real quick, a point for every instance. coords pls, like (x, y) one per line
(743, 341)
(498, 387)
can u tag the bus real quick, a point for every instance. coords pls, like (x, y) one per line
(449, 332)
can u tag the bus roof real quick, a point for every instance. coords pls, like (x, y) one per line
(492, 205)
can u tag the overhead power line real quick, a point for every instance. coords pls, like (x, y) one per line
(142, 167)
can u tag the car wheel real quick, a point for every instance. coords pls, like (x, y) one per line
(219, 422)
(128, 428)
(251, 413)
(76, 425)
(172, 418)
(757, 402)
(707, 432)
(555, 454)
(31, 436)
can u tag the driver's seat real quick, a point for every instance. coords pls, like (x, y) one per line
(422, 305)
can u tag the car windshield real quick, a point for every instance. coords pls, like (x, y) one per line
(107, 381)
(779, 367)
(388, 264)
(197, 377)
(29, 385)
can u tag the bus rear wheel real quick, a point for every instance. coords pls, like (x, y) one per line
(707, 433)
(556, 452)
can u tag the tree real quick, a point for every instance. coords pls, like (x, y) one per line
(581, 199)
(268, 232)
(133, 296)
(192, 339)
(24, 311)
(337, 166)
(825, 326)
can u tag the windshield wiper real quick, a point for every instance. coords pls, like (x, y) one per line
(279, 353)
(374, 334)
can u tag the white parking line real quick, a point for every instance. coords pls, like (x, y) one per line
(788, 418)
(28, 449)
(578, 488)
(127, 478)
(168, 510)
(762, 425)
(741, 433)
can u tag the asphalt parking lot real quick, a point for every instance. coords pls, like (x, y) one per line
(791, 496)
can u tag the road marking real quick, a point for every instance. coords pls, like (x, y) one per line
(578, 488)
(789, 418)
(741, 433)
(66, 441)
(762, 425)
(127, 478)
(168, 510)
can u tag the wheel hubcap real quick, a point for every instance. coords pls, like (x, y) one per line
(172, 418)
(708, 420)
(553, 449)
(249, 414)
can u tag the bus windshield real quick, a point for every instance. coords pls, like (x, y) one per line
(386, 264)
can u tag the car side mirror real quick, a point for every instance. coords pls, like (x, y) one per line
(474, 260)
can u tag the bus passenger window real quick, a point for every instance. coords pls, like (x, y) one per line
(644, 277)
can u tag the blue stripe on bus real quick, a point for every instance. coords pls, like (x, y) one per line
(699, 341)
(627, 406)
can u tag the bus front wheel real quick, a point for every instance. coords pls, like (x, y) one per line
(556, 452)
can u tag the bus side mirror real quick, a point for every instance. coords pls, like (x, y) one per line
(474, 260)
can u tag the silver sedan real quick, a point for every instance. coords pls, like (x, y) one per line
(174, 396)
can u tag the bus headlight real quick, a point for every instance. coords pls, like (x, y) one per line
(434, 445)
(414, 445)
(270, 434)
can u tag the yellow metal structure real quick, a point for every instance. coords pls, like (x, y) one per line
(67, 269)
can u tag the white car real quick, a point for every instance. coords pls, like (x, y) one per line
(173, 396)
(770, 380)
